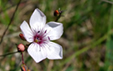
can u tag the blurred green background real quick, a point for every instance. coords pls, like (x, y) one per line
(87, 40)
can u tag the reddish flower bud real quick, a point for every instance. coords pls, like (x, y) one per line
(21, 36)
(21, 47)
(57, 12)
(24, 68)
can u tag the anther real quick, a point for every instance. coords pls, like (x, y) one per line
(38, 31)
(49, 38)
(45, 31)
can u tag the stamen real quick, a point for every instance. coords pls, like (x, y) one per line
(45, 31)
(38, 31)
(39, 38)
(49, 38)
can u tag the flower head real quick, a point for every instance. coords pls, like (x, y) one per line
(39, 35)
(21, 48)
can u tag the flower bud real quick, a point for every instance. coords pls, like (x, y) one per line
(21, 36)
(57, 12)
(24, 68)
(21, 47)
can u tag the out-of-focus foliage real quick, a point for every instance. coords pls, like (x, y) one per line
(87, 40)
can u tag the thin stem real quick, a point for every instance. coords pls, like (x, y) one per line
(107, 1)
(22, 58)
(57, 18)
(8, 54)
(10, 22)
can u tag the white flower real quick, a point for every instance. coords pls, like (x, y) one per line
(39, 35)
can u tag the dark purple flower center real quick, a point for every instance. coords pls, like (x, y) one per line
(41, 37)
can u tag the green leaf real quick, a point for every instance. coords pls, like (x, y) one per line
(109, 54)
(109, 44)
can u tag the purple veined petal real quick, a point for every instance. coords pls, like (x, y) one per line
(36, 52)
(56, 30)
(37, 20)
(28, 34)
(54, 51)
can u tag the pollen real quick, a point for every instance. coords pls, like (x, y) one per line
(37, 40)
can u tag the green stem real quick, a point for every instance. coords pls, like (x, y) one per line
(8, 54)
(107, 1)
(110, 19)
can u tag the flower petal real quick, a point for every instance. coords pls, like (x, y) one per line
(54, 51)
(56, 30)
(36, 52)
(37, 20)
(28, 34)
